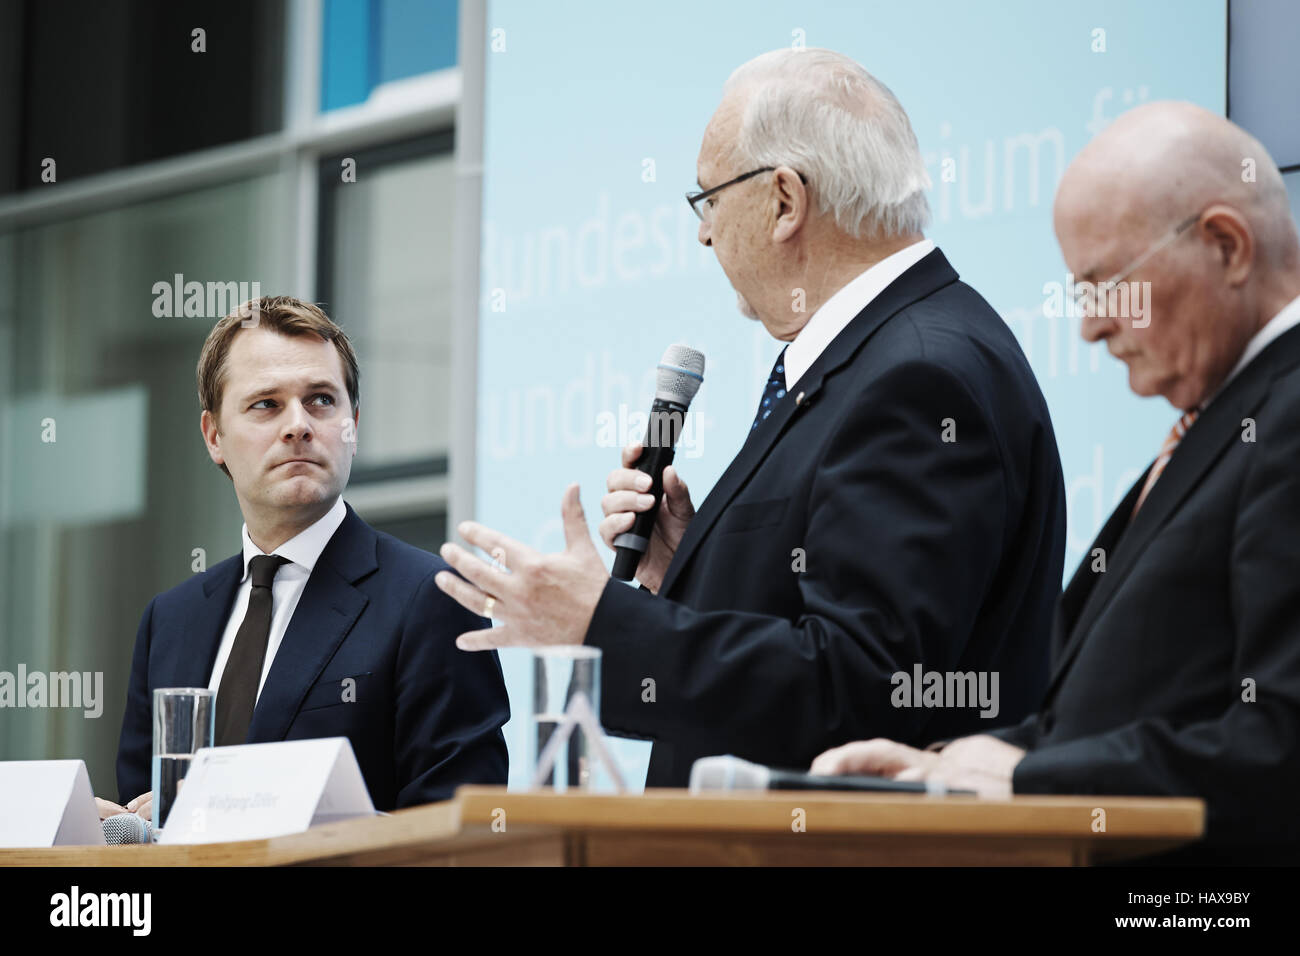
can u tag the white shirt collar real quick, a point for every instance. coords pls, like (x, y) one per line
(1282, 322)
(841, 308)
(303, 549)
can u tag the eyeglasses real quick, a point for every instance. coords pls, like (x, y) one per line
(703, 210)
(1085, 298)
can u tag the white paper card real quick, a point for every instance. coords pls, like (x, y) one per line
(255, 791)
(47, 803)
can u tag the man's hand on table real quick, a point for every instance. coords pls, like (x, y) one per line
(980, 763)
(141, 806)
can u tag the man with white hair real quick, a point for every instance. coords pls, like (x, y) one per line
(1177, 658)
(896, 515)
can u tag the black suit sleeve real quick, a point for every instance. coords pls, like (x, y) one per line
(450, 704)
(1022, 735)
(902, 530)
(135, 745)
(1245, 763)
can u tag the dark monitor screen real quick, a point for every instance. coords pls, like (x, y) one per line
(1264, 74)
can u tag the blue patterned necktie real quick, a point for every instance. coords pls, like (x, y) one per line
(774, 392)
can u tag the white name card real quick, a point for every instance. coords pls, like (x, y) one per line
(47, 803)
(255, 791)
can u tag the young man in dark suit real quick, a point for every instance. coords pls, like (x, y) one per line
(897, 507)
(1177, 642)
(322, 627)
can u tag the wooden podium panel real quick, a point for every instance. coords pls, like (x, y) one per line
(490, 826)
(674, 828)
(430, 835)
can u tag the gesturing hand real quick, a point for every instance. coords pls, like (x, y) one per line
(539, 599)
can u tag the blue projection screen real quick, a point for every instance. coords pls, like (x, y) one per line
(590, 264)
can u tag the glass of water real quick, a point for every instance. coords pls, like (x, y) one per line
(566, 683)
(182, 725)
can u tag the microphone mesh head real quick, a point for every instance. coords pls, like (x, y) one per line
(126, 828)
(680, 374)
(727, 773)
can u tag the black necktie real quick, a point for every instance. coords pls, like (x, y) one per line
(237, 694)
(773, 392)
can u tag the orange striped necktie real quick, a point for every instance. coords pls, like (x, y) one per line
(1166, 452)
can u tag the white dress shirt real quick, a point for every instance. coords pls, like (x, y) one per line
(303, 550)
(841, 308)
(1282, 322)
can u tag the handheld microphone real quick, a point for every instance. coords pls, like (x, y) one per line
(680, 374)
(722, 774)
(123, 828)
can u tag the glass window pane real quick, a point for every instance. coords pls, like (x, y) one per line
(386, 278)
(427, 531)
(1264, 74)
(368, 42)
(415, 36)
(96, 86)
(107, 494)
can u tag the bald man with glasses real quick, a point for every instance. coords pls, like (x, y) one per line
(1176, 646)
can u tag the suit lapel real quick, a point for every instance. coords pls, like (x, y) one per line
(925, 277)
(328, 608)
(1085, 578)
(209, 624)
(1204, 444)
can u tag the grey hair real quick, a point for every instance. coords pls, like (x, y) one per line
(820, 113)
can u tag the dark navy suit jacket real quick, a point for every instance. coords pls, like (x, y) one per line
(849, 541)
(1177, 658)
(426, 717)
